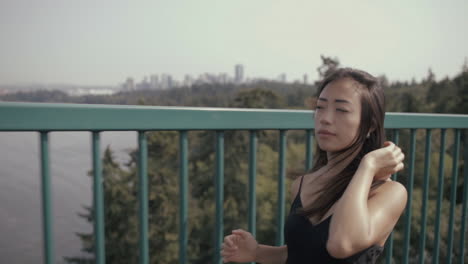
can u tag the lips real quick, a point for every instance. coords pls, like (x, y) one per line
(326, 132)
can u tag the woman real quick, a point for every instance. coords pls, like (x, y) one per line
(347, 206)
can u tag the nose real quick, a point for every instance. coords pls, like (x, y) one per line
(325, 117)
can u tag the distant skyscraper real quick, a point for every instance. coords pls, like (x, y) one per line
(223, 78)
(305, 78)
(282, 77)
(239, 73)
(129, 84)
(166, 81)
(144, 85)
(154, 81)
(188, 80)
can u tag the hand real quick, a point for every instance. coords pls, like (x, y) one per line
(385, 161)
(240, 246)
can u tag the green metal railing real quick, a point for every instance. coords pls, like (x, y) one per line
(45, 118)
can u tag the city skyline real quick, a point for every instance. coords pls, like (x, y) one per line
(164, 81)
(89, 43)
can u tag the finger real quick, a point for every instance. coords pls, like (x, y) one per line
(229, 249)
(228, 241)
(400, 157)
(396, 154)
(243, 234)
(387, 143)
(400, 166)
(225, 253)
(229, 252)
(396, 149)
(390, 148)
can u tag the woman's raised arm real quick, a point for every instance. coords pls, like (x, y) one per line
(358, 221)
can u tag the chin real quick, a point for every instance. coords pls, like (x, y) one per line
(328, 147)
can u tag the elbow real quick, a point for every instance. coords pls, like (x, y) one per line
(338, 248)
(343, 248)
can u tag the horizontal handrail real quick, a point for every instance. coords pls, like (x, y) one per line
(89, 117)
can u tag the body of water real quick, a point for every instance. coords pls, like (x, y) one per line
(20, 190)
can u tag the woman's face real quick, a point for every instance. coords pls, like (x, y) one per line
(338, 115)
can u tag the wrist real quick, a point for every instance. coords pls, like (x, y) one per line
(368, 164)
(257, 253)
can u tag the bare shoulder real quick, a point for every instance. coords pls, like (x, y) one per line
(391, 188)
(295, 186)
(390, 195)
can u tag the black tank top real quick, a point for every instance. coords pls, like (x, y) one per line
(307, 243)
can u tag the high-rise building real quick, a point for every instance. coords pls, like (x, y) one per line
(129, 84)
(223, 78)
(305, 78)
(282, 77)
(154, 81)
(239, 73)
(188, 80)
(166, 81)
(144, 84)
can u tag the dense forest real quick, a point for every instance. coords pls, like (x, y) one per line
(449, 95)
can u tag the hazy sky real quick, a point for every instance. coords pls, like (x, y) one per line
(103, 42)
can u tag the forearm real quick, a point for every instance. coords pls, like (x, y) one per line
(350, 223)
(271, 255)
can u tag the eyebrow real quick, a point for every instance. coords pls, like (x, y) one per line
(336, 100)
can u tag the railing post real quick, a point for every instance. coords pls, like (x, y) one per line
(410, 196)
(47, 221)
(440, 191)
(219, 195)
(143, 196)
(465, 202)
(427, 166)
(281, 188)
(453, 195)
(252, 182)
(389, 244)
(98, 194)
(183, 197)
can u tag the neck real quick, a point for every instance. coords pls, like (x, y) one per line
(337, 162)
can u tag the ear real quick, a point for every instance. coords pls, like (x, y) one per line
(372, 128)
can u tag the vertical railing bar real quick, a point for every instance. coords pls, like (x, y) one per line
(410, 196)
(453, 195)
(465, 202)
(143, 196)
(219, 194)
(388, 256)
(309, 151)
(440, 191)
(252, 182)
(47, 219)
(183, 197)
(98, 200)
(281, 188)
(427, 164)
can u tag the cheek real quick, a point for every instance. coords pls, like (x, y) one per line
(350, 128)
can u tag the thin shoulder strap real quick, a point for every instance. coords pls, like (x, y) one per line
(300, 184)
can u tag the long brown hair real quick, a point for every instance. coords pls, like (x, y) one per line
(372, 124)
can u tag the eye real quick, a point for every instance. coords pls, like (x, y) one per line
(342, 110)
(319, 107)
